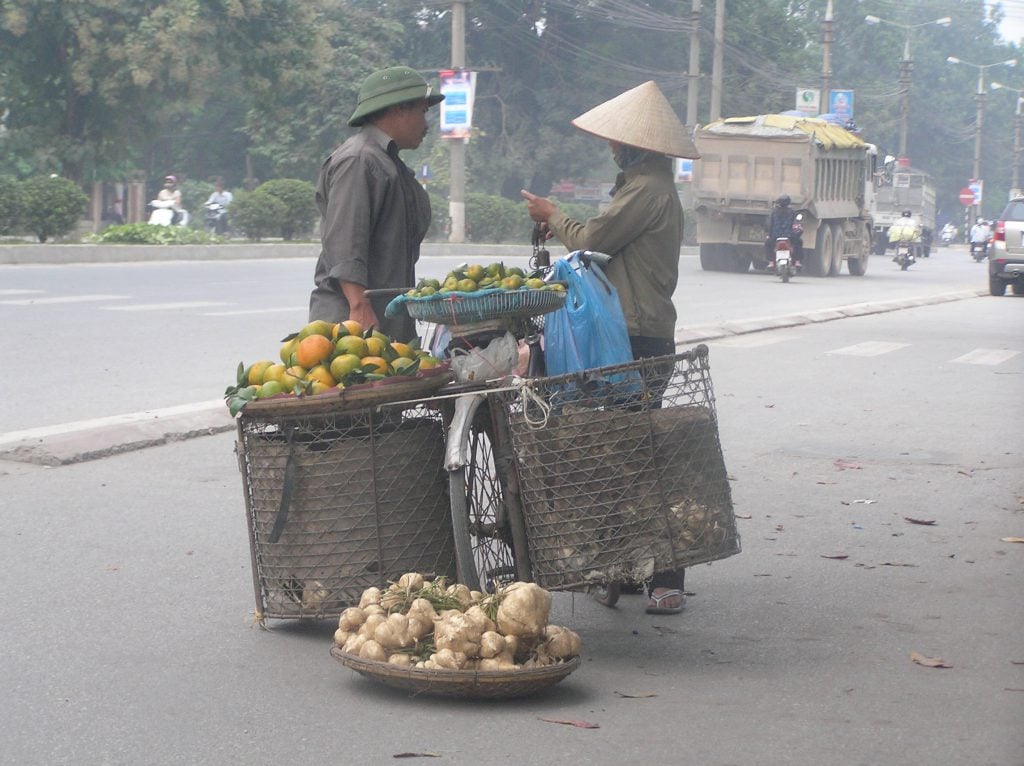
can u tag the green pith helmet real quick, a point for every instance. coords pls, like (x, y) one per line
(389, 87)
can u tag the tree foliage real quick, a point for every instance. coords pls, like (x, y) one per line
(50, 206)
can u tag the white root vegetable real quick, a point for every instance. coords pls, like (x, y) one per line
(419, 629)
(491, 644)
(503, 661)
(391, 599)
(341, 636)
(476, 597)
(524, 610)
(393, 633)
(370, 626)
(351, 619)
(480, 617)
(423, 611)
(410, 582)
(461, 594)
(371, 650)
(562, 643)
(375, 609)
(457, 632)
(400, 658)
(446, 658)
(354, 644)
(370, 596)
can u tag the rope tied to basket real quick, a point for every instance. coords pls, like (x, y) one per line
(528, 396)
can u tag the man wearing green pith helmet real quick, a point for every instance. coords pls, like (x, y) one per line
(373, 212)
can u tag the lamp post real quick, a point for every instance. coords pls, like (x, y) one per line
(979, 120)
(1018, 118)
(906, 66)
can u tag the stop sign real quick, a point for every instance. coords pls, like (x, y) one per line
(966, 197)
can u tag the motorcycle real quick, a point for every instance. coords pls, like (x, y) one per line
(216, 218)
(979, 250)
(785, 264)
(904, 255)
(164, 213)
(947, 236)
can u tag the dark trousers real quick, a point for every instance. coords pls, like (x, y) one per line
(644, 347)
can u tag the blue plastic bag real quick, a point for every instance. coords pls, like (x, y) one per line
(590, 330)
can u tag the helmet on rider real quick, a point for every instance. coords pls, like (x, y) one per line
(783, 201)
(907, 213)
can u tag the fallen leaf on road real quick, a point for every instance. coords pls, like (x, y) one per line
(845, 465)
(895, 564)
(416, 755)
(569, 722)
(662, 630)
(926, 522)
(636, 695)
(968, 474)
(1017, 662)
(743, 516)
(1012, 539)
(839, 556)
(929, 662)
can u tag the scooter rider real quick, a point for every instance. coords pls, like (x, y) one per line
(780, 225)
(171, 193)
(905, 230)
(218, 203)
(980, 235)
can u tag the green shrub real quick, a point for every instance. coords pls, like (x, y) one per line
(578, 210)
(299, 198)
(438, 230)
(10, 204)
(257, 214)
(51, 206)
(193, 195)
(151, 234)
(492, 218)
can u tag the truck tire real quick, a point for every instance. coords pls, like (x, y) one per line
(858, 266)
(740, 263)
(819, 261)
(710, 258)
(881, 242)
(838, 245)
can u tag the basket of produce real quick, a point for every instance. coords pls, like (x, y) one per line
(428, 637)
(622, 472)
(480, 293)
(327, 368)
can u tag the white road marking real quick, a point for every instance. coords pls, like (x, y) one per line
(12, 437)
(242, 312)
(990, 356)
(869, 348)
(166, 306)
(63, 299)
(14, 291)
(754, 340)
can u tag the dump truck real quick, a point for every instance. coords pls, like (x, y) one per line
(898, 188)
(748, 162)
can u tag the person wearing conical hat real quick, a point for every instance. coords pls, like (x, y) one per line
(642, 231)
(373, 212)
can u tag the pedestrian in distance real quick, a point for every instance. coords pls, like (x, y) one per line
(642, 231)
(374, 214)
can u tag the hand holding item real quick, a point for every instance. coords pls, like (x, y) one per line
(539, 208)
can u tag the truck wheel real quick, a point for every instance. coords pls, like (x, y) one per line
(710, 258)
(996, 286)
(820, 259)
(881, 242)
(740, 263)
(838, 245)
(857, 266)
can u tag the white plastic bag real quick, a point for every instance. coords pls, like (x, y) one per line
(476, 365)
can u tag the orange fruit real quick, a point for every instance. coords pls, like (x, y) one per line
(270, 388)
(404, 350)
(287, 349)
(316, 387)
(320, 374)
(375, 346)
(293, 376)
(274, 372)
(400, 364)
(352, 327)
(428, 362)
(351, 344)
(316, 327)
(380, 364)
(312, 350)
(343, 364)
(257, 371)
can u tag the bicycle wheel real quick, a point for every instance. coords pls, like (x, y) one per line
(483, 544)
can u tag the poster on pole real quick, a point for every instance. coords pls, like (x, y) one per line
(840, 103)
(459, 89)
(808, 101)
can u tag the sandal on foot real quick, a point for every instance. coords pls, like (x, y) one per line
(654, 606)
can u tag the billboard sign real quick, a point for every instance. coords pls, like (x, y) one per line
(459, 89)
(808, 101)
(840, 103)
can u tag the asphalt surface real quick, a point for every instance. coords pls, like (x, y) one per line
(66, 443)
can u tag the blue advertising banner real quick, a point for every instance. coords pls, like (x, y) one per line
(840, 103)
(459, 89)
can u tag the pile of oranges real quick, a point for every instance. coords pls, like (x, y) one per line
(322, 356)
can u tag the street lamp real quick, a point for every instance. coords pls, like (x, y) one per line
(906, 66)
(1018, 118)
(980, 97)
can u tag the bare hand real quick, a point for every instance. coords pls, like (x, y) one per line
(540, 209)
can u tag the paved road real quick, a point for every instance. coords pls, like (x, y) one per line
(128, 640)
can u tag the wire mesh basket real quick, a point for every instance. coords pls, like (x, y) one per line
(621, 471)
(338, 503)
(462, 308)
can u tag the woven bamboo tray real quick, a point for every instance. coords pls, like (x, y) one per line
(468, 684)
(359, 397)
(459, 308)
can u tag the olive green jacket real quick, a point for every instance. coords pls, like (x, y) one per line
(642, 229)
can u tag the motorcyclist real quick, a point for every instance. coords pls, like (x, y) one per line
(980, 235)
(905, 230)
(172, 194)
(218, 202)
(948, 232)
(780, 224)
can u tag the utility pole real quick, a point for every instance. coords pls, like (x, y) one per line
(906, 67)
(457, 146)
(827, 38)
(716, 61)
(693, 76)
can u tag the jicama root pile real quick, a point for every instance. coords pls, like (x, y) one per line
(431, 624)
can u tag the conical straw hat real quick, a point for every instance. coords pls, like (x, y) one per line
(640, 117)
